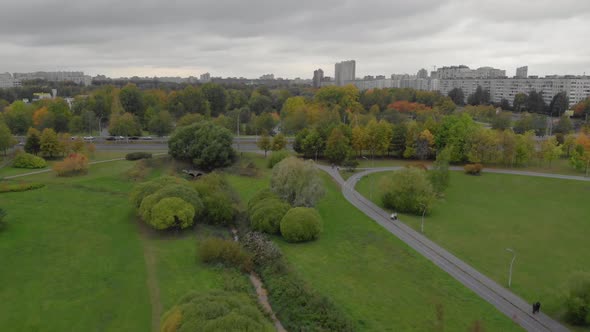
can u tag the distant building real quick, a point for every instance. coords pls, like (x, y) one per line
(7, 81)
(318, 77)
(77, 77)
(344, 72)
(204, 78)
(465, 72)
(267, 77)
(422, 73)
(522, 72)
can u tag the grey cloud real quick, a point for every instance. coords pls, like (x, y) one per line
(291, 38)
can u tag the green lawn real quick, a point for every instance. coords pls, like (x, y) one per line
(378, 280)
(546, 221)
(73, 257)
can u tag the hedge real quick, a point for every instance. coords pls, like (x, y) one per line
(138, 155)
(27, 160)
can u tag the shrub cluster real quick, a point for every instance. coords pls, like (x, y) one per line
(27, 160)
(219, 199)
(138, 155)
(276, 157)
(167, 202)
(577, 302)
(301, 224)
(16, 187)
(473, 169)
(215, 311)
(227, 252)
(73, 164)
(139, 171)
(296, 303)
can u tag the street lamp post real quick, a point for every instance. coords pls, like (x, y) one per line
(423, 213)
(372, 177)
(511, 263)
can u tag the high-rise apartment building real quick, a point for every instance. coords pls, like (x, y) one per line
(462, 71)
(318, 77)
(7, 81)
(345, 72)
(77, 77)
(522, 72)
(204, 78)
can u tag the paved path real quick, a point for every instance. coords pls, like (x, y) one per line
(505, 301)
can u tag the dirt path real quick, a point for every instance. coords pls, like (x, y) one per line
(152, 279)
(262, 294)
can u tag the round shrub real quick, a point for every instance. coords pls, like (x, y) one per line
(219, 199)
(172, 212)
(267, 214)
(215, 311)
(27, 160)
(180, 190)
(301, 224)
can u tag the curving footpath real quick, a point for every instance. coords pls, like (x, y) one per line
(505, 301)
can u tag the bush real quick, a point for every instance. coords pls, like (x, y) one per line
(577, 301)
(297, 182)
(139, 171)
(301, 224)
(473, 169)
(263, 250)
(138, 155)
(219, 199)
(299, 307)
(227, 252)
(144, 189)
(73, 164)
(351, 164)
(267, 214)
(408, 190)
(26, 160)
(276, 157)
(259, 196)
(215, 311)
(179, 190)
(172, 212)
(16, 187)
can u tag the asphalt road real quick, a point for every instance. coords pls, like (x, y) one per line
(505, 301)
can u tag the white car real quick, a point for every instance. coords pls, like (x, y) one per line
(89, 138)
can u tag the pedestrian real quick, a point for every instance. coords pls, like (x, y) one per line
(538, 306)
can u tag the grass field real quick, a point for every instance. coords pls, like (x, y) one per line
(73, 258)
(544, 220)
(374, 277)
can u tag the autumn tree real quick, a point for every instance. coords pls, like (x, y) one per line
(279, 142)
(337, 146)
(43, 119)
(50, 146)
(124, 125)
(33, 142)
(580, 158)
(482, 146)
(525, 148)
(424, 144)
(359, 139)
(264, 143)
(507, 145)
(550, 150)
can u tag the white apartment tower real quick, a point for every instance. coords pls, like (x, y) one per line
(345, 72)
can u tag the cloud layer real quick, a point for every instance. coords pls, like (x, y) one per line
(292, 38)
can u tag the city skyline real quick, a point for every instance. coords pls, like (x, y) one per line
(292, 39)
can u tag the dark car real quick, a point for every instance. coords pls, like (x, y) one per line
(110, 138)
(135, 138)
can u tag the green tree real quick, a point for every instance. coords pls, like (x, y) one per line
(337, 147)
(535, 102)
(50, 146)
(559, 104)
(479, 97)
(6, 140)
(33, 142)
(161, 124)
(259, 104)
(520, 102)
(297, 182)
(313, 144)
(424, 144)
(61, 114)
(189, 119)
(172, 212)
(446, 105)
(124, 125)
(550, 149)
(188, 101)
(132, 100)
(279, 142)
(216, 96)
(408, 190)
(264, 122)
(457, 96)
(264, 143)
(525, 148)
(205, 144)
(564, 125)
(19, 117)
(505, 104)
(502, 121)
(439, 175)
(398, 139)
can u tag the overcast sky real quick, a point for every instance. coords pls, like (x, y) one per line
(292, 38)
